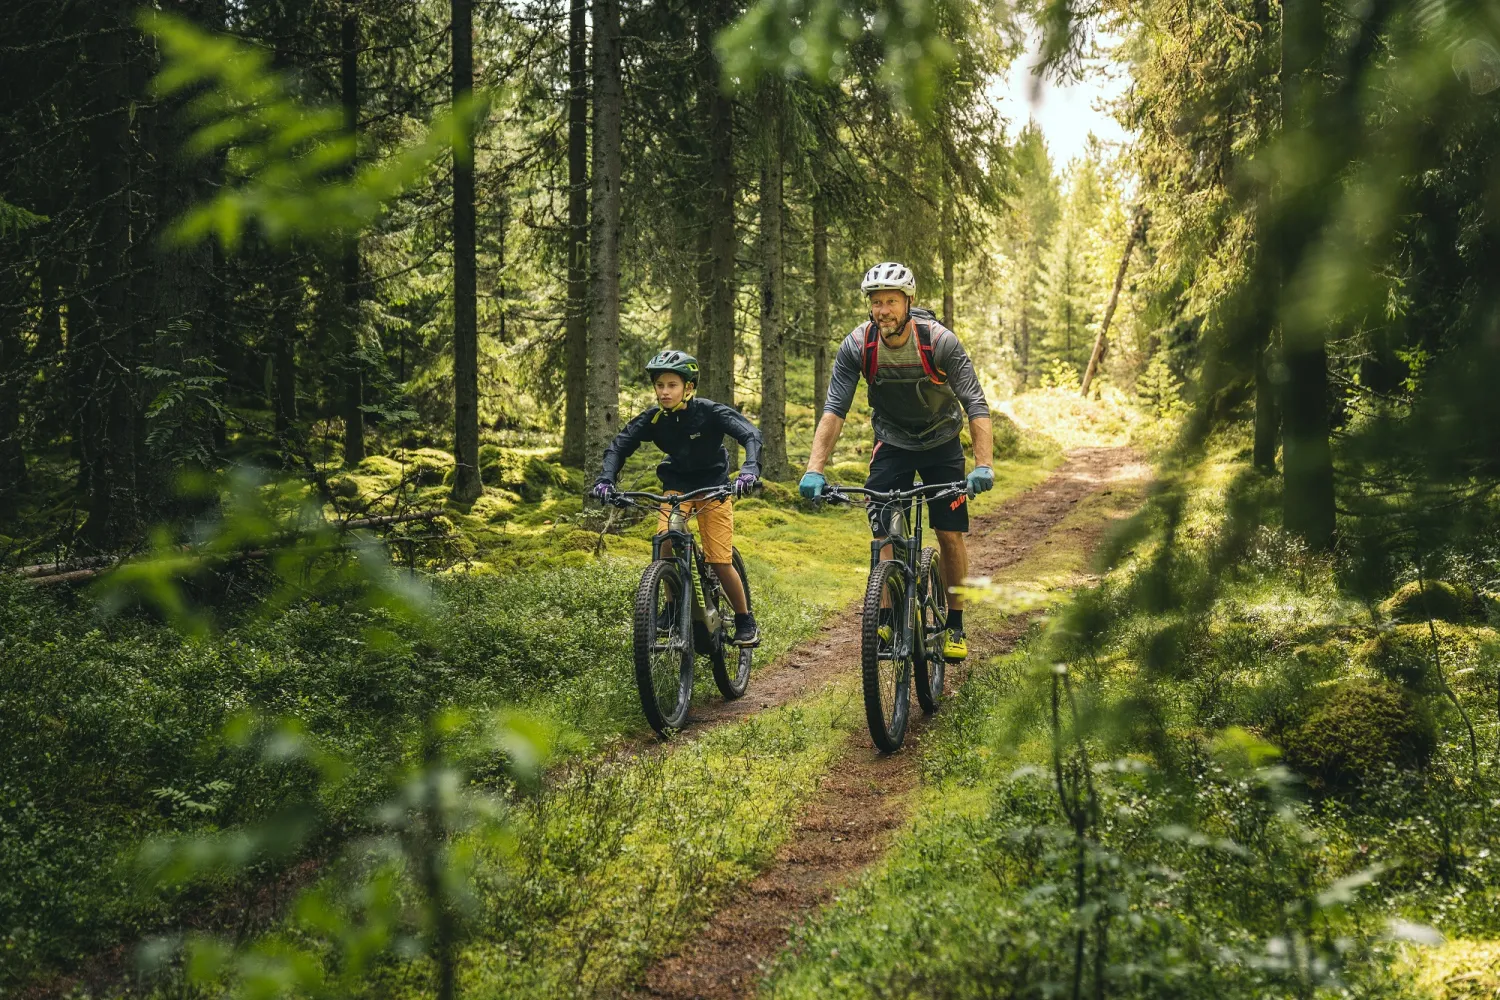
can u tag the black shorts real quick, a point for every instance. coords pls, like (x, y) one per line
(896, 469)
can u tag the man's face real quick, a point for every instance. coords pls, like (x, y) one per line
(669, 389)
(889, 309)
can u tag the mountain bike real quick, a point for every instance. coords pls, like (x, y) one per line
(905, 612)
(680, 609)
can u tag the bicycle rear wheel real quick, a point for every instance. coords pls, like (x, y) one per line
(932, 615)
(732, 663)
(663, 647)
(886, 660)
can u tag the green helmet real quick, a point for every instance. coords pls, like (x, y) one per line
(680, 362)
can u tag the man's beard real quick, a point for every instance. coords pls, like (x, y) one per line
(891, 329)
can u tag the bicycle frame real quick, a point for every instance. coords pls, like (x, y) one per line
(685, 552)
(906, 549)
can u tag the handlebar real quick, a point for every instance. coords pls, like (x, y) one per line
(931, 491)
(623, 498)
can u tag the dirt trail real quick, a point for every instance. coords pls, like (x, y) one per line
(865, 796)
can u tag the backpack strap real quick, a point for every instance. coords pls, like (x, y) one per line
(872, 346)
(924, 351)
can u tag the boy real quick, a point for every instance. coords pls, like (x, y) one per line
(691, 431)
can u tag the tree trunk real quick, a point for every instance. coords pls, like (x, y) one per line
(717, 275)
(467, 485)
(354, 375)
(1025, 342)
(772, 305)
(820, 304)
(12, 361)
(288, 308)
(1267, 414)
(604, 297)
(945, 249)
(576, 338)
(1307, 457)
(1137, 229)
(108, 418)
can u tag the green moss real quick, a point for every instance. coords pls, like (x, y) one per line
(1354, 730)
(848, 473)
(495, 505)
(1456, 970)
(1444, 601)
(344, 487)
(1404, 654)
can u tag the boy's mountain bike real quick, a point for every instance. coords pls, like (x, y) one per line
(905, 612)
(681, 609)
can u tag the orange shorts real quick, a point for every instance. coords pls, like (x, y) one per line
(715, 526)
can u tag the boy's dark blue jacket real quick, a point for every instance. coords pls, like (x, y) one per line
(693, 438)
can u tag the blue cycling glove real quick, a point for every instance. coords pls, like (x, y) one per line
(812, 484)
(981, 479)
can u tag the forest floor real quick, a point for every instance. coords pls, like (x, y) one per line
(865, 796)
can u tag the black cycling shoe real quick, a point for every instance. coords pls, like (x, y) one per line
(746, 632)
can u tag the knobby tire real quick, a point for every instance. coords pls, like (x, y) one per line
(887, 681)
(664, 677)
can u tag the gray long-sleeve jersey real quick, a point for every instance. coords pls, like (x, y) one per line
(911, 412)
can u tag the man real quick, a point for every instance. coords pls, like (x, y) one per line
(920, 385)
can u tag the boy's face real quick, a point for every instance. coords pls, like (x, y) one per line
(669, 389)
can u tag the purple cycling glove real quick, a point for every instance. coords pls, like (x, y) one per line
(745, 482)
(602, 490)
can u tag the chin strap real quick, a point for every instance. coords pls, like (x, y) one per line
(687, 397)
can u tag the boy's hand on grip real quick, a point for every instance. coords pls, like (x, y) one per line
(744, 483)
(602, 490)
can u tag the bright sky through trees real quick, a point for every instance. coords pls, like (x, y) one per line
(1066, 113)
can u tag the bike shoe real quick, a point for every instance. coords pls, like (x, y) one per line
(665, 619)
(955, 646)
(746, 632)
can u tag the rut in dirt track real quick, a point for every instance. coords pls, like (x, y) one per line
(864, 797)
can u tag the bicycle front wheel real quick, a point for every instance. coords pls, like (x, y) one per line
(886, 655)
(663, 646)
(932, 615)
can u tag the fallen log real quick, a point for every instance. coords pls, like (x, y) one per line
(45, 574)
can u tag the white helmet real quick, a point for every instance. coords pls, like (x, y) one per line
(890, 276)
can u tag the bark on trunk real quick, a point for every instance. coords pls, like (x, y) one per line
(1307, 457)
(1267, 414)
(604, 315)
(108, 424)
(1096, 357)
(717, 285)
(576, 337)
(820, 305)
(1025, 343)
(467, 485)
(945, 249)
(354, 376)
(288, 306)
(772, 324)
(12, 360)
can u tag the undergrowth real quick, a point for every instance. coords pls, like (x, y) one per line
(1215, 774)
